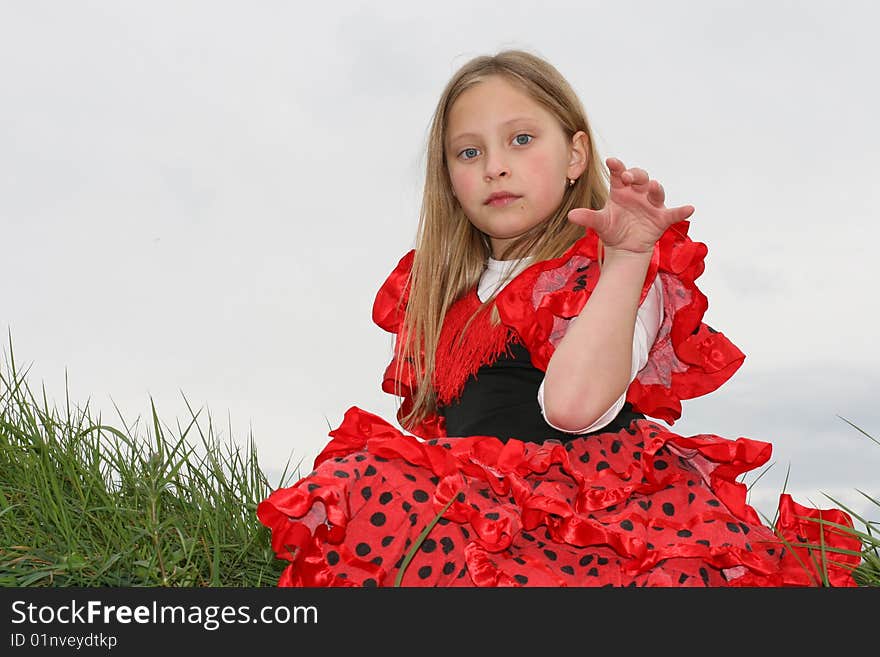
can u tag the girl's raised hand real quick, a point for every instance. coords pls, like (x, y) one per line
(634, 216)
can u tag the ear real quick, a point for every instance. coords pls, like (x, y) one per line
(580, 155)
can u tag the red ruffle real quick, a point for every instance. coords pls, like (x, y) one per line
(388, 312)
(540, 514)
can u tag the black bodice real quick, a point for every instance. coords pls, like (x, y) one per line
(501, 400)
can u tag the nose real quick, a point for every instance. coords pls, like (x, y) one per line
(496, 166)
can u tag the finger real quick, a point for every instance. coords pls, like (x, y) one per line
(594, 219)
(615, 168)
(615, 165)
(635, 176)
(680, 213)
(656, 194)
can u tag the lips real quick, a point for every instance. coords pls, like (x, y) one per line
(501, 198)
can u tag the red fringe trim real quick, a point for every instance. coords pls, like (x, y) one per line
(462, 352)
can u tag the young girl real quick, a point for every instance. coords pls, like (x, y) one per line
(545, 315)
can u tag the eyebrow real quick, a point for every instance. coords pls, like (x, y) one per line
(524, 119)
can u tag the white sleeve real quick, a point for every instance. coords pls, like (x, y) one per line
(648, 320)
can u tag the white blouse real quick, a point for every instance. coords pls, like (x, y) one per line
(648, 320)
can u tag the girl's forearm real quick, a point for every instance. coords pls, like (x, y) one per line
(592, 364)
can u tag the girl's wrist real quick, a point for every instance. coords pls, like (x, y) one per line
(612, 253)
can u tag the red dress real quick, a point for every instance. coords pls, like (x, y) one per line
(633, 506)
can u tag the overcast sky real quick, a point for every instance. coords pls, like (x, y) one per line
(202, 198)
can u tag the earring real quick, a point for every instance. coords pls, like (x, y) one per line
(570, 182)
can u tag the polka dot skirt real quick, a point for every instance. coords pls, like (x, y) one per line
(641, 507)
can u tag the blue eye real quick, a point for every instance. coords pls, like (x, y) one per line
(520, 142)
(469, 153)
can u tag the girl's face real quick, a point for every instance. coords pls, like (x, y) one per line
(509, 159)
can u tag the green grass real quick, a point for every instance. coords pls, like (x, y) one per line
(84, 503)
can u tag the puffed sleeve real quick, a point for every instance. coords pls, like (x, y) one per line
(389, 308)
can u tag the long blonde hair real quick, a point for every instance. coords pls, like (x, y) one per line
(451, 253)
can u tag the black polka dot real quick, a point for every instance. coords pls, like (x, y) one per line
(362, 549)
(492, 515)
(550, 554)
(447, 545)
(312, 487)
(388, 540)
(593, 572)
(407, 506)
(585, 457)
(333, 557)
(448, 567)
(683, 578)
(385, 498)
(669, 508)
(522, 579)
(637, 456)
(360, 457)
(568, 570)
(370, 471)
(419, 495)
(484, 492)
(627, 525)
(366, 492)
(602, 561)
(704, 574)
(713, 502)
(528, 536)
(429, 545)
(602, 465)
(691, 497)
(413, 519)
(462, 573)
(520, 561)
(586, 560)
(660, 464)
(424, 572)
(744, 527)
(733, 527)
(615, 446)
(684, 533)
(435, 480)
(376, 560)
(369, 582)
(341, 473)
(377, 519)
(645, 504)
(409, 476)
